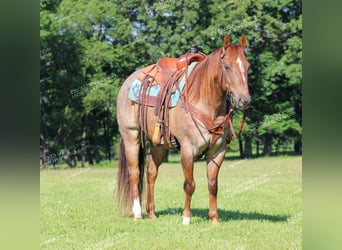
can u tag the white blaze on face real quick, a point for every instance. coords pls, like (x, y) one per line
(239, 62)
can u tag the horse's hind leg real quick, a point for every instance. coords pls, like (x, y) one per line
(156, 158)
(132, 150)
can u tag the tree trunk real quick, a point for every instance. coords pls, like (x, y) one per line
(298, 146)
(248, 147)
(83, 146)
(277, 146)
(74, 160)
(106, 137)
(43, 135)
(97, 154)
(96, 146)
(241, 149)
(267, 144)
(90, 157)
(257, 147)
(43, 151)
(67, 153)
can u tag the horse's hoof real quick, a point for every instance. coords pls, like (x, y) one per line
(216, 222)
(137, 217)
(186, 221)
(152, 216)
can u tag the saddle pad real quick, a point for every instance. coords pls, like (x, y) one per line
(154, 90)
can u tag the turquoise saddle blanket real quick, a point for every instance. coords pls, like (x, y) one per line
(154, 90)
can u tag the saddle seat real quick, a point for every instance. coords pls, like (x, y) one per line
(165, 68)
(167, 64)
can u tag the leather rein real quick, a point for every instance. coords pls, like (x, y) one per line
(216, 128)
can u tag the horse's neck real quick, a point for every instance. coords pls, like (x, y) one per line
(211, 108)
(211, 99)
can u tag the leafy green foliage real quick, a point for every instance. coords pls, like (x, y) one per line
(89, 47)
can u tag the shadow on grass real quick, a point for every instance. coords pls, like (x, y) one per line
(175, 158)
(225, 215)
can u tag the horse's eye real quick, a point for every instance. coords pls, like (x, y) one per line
(227, 67)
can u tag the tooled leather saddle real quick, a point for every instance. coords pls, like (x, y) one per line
(165, 74)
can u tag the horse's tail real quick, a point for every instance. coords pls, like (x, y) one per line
(124, 190)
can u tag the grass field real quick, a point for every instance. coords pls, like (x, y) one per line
(259, 200)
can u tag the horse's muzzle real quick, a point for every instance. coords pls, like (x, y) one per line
(241, 102)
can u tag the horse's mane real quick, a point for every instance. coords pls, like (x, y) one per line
(205, 79)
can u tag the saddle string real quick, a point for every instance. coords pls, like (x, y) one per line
(162, 131)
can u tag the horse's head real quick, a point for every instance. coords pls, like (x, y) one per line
(234, 67)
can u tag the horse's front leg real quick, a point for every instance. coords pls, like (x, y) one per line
(156, 158)
(214, 162)
(189, 183)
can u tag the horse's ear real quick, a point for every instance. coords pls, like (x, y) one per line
(226, 42)
(243, 42)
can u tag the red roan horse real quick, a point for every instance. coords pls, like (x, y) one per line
(200, 129)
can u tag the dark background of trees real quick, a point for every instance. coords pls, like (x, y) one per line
(89, 47)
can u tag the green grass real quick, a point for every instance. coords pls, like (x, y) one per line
(259, 200)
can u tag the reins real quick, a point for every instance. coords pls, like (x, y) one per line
(218, 128)
(241, 125)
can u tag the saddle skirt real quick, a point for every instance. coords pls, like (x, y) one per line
(157, 75)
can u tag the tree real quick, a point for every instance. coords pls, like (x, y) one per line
(275, 75)
(89, 47)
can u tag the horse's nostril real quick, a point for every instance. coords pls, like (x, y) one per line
(244, 102)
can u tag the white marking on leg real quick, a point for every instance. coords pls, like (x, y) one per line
(136, 209)
(241, 68)
(186, 220)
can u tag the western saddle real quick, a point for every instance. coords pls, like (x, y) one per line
(165, 73)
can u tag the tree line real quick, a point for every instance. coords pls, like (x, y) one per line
(89, 47)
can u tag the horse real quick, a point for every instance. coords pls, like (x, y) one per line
(201, 127)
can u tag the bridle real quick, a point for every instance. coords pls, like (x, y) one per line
(216, 128)
(230, 95)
